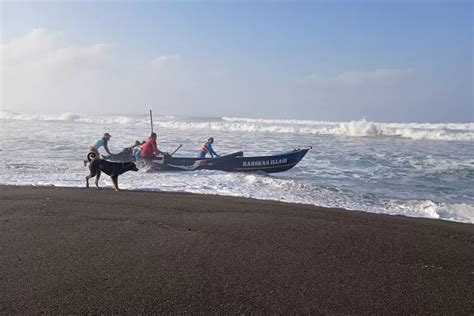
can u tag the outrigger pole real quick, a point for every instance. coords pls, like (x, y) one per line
(151, 125)
(176, 149)
(151, 121)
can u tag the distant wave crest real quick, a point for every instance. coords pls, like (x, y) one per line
(5, 115)
(71, 117)
(361, 128)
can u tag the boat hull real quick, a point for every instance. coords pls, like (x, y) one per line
(232, 163)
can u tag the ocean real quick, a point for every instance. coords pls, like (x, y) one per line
(411, 169)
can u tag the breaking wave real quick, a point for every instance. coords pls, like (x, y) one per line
(461, 126)
(71, 117)
(425, 208)
(361, 128)
(380, 174)
(5, 115)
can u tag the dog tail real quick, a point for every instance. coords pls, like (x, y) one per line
(91, 156)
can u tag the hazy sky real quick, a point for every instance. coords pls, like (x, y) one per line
(323, 60)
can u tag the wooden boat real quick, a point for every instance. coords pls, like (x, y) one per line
(235, 162)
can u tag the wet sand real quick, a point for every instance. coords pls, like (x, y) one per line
(86, 251)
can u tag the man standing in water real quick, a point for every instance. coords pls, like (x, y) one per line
(150, 149)
(101, 142)
(94, 149)
(207, 148)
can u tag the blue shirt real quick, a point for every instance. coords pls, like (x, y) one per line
(202, 154)
(211, 150)
(99, 143)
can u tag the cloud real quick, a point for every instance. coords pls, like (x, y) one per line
(354, 78)
(160, 62)
(39, 71)
(35, 45)
(45, 72)
(41, 47)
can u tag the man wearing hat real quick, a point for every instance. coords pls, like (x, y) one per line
(99, 143)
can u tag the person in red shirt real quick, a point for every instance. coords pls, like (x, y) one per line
(150, 149)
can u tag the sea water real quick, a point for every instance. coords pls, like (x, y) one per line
(411, 169)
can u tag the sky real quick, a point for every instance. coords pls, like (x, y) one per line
(390, 61)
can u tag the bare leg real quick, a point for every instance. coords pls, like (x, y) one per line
(97, 180)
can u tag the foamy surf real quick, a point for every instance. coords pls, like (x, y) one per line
(362, 128)
(357, 165)
(350, 129)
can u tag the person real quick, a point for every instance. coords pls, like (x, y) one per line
(150, 149)
(207, 149)
(136, 149)
(129, 150)
(94, 149)
(101, 142)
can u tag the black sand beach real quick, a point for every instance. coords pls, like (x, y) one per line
(87, 251)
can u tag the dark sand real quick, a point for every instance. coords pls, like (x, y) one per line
(87, 251)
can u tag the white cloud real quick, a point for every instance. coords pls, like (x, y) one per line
(351, 78)
(160, 62)
(39, 71)
(41, 47)
(47, 72)
(35, 45)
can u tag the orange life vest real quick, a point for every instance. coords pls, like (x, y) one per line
(204, 148)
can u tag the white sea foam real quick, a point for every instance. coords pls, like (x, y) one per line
(432, 131)
(361, 128)
(454, 126)
(461, 212)
(39, 117)
(271, 188)
(72, 117)
(275, 121)
(378, 175)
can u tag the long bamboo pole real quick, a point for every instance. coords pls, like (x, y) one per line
(151, 121)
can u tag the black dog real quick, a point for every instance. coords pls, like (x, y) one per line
(113, 169)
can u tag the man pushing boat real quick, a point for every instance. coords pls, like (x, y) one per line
(206, 148)
(101, 142)
(94, 149)
(149, 150)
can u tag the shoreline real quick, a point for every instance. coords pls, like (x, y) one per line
(73, 250)
(233, 196)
